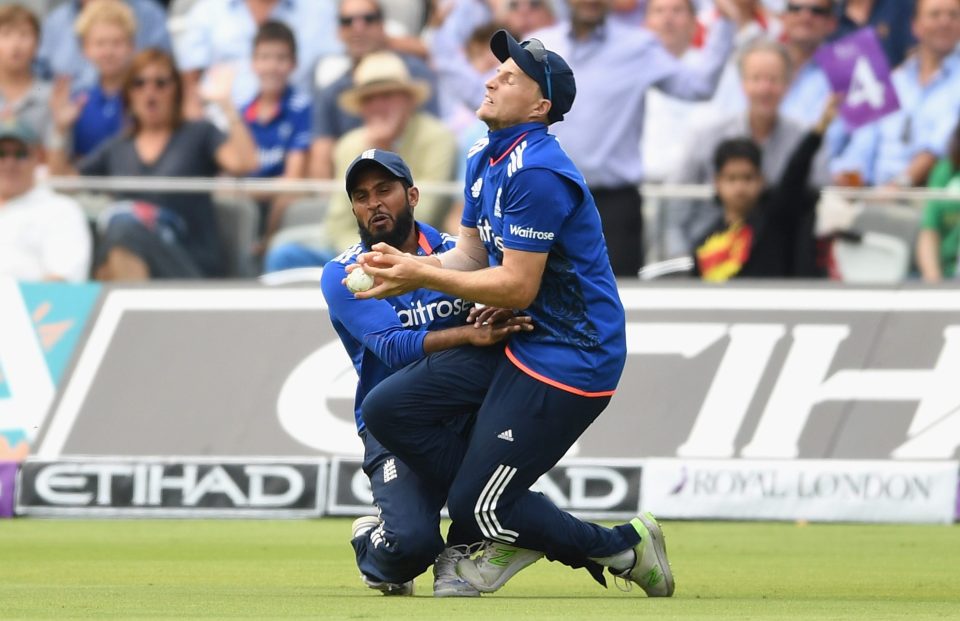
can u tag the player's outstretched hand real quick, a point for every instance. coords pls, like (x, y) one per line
(482, 315)
(492, 333)
(376, 251)
(393, 274)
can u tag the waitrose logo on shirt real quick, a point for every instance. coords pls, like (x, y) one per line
(530, 233)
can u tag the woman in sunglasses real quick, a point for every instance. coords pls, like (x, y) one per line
(156, 234)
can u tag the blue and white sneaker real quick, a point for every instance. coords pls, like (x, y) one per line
(362, 526)
(446, 581)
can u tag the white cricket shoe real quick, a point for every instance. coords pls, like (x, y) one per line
(498, 563)
(446, 581)
(362, 526)
(651, 569)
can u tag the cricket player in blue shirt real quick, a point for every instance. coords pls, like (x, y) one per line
(530, 239)
(382, 336)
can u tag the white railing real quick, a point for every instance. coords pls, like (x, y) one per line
(453, 189)
(896, 211)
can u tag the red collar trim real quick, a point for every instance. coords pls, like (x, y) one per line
(494, 162)
(424, 244)
(252, 113)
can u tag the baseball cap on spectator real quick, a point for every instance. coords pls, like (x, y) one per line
(546, 68)
(15, 129)
(387, 160)
(382, 72)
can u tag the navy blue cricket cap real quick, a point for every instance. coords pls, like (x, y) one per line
(387, 160)
(548, 69)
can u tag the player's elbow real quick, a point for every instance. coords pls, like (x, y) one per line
(394, 355)
(396, 348)
(521, 295)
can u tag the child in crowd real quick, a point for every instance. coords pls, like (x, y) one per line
(82, 121)
(278, 117)
(765, 232)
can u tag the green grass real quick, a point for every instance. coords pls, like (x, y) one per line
(267, 569)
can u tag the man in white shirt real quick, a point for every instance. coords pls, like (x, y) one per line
(43, 235)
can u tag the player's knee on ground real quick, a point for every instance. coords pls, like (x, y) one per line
(421, 547)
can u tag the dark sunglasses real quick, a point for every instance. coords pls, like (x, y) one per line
(159, 83)
(819, 11)
(367, 18)
(539, 53)
(18, 154)
(514, 5)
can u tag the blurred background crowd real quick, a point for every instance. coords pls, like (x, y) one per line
(669, 92)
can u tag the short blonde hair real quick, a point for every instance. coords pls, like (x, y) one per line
(106, 11)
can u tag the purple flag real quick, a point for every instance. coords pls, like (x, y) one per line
(8, 476)
(857, 67)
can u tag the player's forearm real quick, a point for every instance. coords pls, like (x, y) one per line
(441, 340)
(468, 255)
(491, 286)
(458, 259)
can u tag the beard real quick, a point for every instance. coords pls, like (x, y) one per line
(394, 237)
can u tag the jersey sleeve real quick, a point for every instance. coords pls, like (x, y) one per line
(535, 207)
(473, 184)
(371, 322)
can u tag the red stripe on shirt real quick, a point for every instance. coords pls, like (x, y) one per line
(424, 244)
(494, 162)
(554, 383)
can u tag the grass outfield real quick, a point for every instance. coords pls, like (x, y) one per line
(267, 569)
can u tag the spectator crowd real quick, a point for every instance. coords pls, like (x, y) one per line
(722, 92)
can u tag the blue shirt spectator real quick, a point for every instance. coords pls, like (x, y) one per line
(288, 131)
(882, 152)
(221, 33)
(100, 118)
(891, 19)
(60, 53)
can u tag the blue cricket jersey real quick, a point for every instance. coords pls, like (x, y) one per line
(524, 193)
(288, 130)
(100, 118)
(383, 336)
